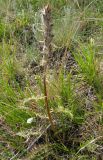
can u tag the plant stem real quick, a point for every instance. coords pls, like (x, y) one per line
(46, 52)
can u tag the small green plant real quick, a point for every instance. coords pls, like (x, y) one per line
(86, 60)
(88, 66)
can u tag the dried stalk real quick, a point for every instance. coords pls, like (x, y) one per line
(46, 52)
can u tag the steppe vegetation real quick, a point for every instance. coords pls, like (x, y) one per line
(51, 108)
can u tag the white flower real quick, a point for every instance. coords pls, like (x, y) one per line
(30, 120)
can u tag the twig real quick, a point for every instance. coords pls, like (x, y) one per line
(92, 141)
(32, 144)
